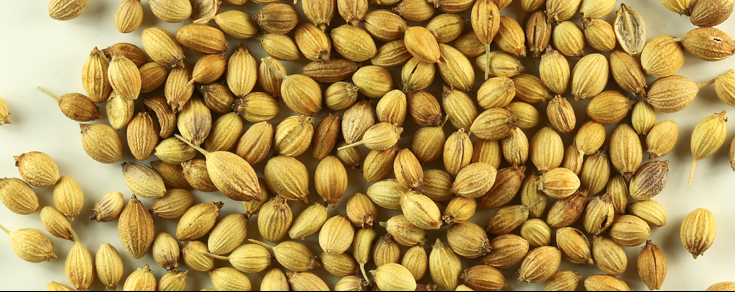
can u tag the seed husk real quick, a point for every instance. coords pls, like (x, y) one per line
(108, 207)
(708, 43)
(109, 266)
(202, 9)
(292, 255)
(56, 224)
(468, 240)
(424, 109)
(394, 277)
(287, 177)
(66, 10)
(573, 160)
(274, 219)
(507, 219)
(652, 266)
(629, 230)
(566, 211)
(605, 283)
(229, 279)
(164, 115)
(172, 174)
(569, 39)
(404, 232)
(420, 210)
(538, 32)
(166, 251)
(391, 54)
(563, 280)
(379, 164)
(79, 267)
(75, 106)
(561, 114)
(143, 180)
(599, 214)
(628, 72)
(574, 245)
(506, 186)
(531, 89)
(194, 256)
(722, 286)
(255, 144)
(539, 265)
(599, 34)
(698, 231)
(332, 70)
(392, 108)
(417, 75)
(135, 228)
(630, 30)
(18, 196)
(455, 68)
(547, 149)
(487, 151)
(325, 135)
(228, 234)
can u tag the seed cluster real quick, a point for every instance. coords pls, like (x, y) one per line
(213, 108)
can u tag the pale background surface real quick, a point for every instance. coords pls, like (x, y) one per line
(38, 50)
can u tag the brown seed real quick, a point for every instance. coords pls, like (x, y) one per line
(494, 124)
(253, 207)
(649, 180)
(173, 281)
(198, 221)
(386, 251)
(287, 177)
(179, 88)
(94, 76)
(349, 156)
(352, 11)
(709, 13)
(650, 211)
(279, 47)
(309, 222)
(538, 32)
(241, 72)
(277, 18)
(135, 228)
(487, 151)
(37, 168)
(455, 68)
(563, 281)
(336, 235)
(208, 69)
(361, 211)
(268, 79)
(248, 258)
(255, 144)
(722, 286)
(609, 107)
(589, 76)
(652, 266)
(507, 183)
(561, 114)
(609, 256)
(196, 174)
(385, 25)
(566, 211)
(391, 54)
(417, 75)
(536, 232)
(507, 219)
(595, 173)
(274, 280)
(379, 164)
(333, 70)
(531, 89)
(330, 180)
(226, 131)
(143, 180)
(172, 174)
(627, 72)
(394, 277)
(312, 42)
(108, 207)
(101, 142)
(507, 250)
(424, 109)
(420, 210)
(68, 197)
(599, 214)
(202, 38)
(229, 279)
(530, 195)
(341, 265)
(661, 57)
(120, 111)
(300, 93)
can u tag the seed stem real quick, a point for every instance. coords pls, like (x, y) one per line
(205, 152)
(47, 92)
(691, 174)
(351, 145)
(487, 61)
(270, 65)
(74, 236)
(705, 84)
(191, 82)
(4, 229)
(218, 257)
(263, 244)
(364, 274)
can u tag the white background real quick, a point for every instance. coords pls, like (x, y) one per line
(37, 50)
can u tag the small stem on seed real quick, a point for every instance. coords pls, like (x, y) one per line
(47, 92)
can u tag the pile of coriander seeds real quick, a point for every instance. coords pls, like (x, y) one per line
(483, 115)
